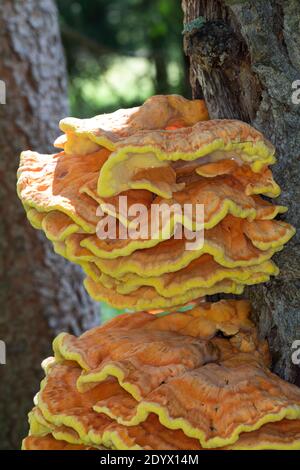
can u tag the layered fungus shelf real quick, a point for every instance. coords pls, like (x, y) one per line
(194, 380)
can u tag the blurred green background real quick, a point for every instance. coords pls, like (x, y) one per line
(119, 52)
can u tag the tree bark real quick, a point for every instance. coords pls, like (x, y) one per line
(40, 293)
(244, 57)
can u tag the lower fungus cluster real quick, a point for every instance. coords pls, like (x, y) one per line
(194, 381)
(162, 154)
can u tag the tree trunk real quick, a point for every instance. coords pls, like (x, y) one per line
(40, 293)
(244, 59)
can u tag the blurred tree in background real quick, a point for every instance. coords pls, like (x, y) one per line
(41, 294)
(122, 51)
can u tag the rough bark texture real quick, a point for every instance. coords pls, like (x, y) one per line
(40, 293)
(244, 59)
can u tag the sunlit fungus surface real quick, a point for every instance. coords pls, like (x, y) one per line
(175, 372)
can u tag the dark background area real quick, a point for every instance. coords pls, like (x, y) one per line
(119, 52)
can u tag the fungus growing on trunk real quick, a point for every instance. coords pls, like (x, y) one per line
(170, 382)
(163, 156)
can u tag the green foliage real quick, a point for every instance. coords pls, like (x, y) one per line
(108, 313)
(119, 52)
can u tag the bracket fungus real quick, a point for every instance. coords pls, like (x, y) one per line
(161, 156)
(194, 380)
(170, 382)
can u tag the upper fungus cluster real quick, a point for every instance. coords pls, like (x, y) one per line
(163, 152)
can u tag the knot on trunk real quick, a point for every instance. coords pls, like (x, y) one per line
(213, 45)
